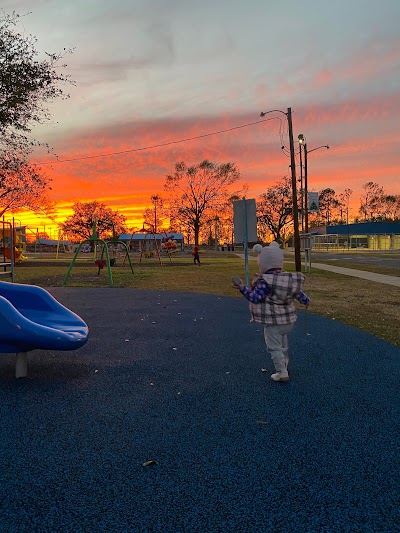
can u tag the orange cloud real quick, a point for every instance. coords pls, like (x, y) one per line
(362, 135)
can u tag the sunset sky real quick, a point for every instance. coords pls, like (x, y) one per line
(149, 72)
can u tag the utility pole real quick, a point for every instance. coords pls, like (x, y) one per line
(296, 236)
(305, 190)
(155, 199)
(301, 190)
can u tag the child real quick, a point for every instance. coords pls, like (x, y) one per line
(196, 255)
(271, 300)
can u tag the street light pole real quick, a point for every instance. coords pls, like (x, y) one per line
(296, 236)
(305, 189)
(306, 152)
(155, 199)
(301, 192)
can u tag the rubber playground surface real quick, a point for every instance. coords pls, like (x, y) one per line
(164, 421)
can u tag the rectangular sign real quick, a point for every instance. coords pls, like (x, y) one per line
(240, 208)
(313, 202)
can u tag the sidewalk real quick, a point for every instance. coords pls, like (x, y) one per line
(371, 276)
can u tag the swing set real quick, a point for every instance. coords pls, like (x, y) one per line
(102, 260)
(149, 238)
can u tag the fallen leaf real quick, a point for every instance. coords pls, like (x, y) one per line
(151, 462)
(262, 422)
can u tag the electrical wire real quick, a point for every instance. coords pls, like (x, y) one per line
(169, 143)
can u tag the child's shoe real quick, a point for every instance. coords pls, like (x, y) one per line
(280, 376)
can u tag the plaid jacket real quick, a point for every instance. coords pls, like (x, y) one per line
(272, 297)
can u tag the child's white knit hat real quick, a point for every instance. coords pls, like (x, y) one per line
(268, 257)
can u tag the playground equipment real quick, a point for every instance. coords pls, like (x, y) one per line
(11, 242)
(7, 244)
(150, 245)
(32, 319)
(169, 244)
(61, 243)
(100, 261)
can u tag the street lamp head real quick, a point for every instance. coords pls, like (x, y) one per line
(301, 138)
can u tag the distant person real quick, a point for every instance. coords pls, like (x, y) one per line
(196, 256)
(271, 298)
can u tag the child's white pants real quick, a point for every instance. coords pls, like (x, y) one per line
(276, 339)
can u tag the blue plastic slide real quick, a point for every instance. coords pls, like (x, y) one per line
(32, 319)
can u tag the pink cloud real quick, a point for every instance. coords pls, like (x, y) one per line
(360, 132)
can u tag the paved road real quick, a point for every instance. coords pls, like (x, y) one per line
(371, 276)
(384, 260)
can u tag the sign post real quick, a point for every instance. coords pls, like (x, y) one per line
(245, 227)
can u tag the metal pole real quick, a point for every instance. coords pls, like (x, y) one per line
(301, 191)
(245, 242)
(296, 236)
(305, 189)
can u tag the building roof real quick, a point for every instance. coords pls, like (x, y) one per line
(364, 228)
(50, 242)
(141, 236)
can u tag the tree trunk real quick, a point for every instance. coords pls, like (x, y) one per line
(196, 233)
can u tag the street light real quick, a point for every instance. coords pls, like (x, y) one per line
(155, 200)
(297, 256)
(303, 143)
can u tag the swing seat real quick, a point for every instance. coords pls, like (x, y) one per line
(100, 263)
(32, 319)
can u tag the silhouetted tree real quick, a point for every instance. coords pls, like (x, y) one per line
(344, 205)
(27, 84)
(23, 186)
(79, 225)
(370, 201)
(327, 204)
(153, 216)
(197, 190)
(275, 210)
(391, 206)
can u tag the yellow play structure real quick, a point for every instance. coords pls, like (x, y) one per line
(10, 238)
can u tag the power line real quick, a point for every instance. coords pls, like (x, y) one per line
(158, 145)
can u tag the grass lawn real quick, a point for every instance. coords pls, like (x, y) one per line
(373, 308)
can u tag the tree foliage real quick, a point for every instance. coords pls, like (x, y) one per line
(154, 216)
(376, 205)
(328, 203)
(344, 205)
(27, 83)
(79, 225)
(23, 186)
(197, 191)
(275, 210)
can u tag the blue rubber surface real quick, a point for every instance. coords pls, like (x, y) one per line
(175, 378)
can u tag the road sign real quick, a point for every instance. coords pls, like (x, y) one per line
(313, 202)
(245, 211)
